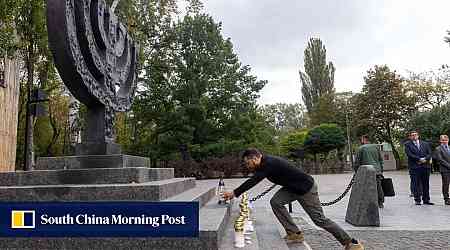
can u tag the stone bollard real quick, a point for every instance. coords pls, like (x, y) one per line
(362, 207)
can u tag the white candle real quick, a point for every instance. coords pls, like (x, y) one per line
(239, 240)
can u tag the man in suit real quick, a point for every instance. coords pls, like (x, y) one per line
(369, 154)
(419, 155)
(442, 158)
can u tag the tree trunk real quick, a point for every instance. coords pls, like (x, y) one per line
(316, 166)
(29, 155)
(396, 156)
(394, 150)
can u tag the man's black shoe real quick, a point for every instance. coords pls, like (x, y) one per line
(428, 203)
(447, 202)
(418, 203)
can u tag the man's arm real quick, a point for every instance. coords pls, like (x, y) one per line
(409, 152)
(380, 160)
(440, 159)
(255, 179)
(357, 159)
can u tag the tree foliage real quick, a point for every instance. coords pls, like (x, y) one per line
(324, 138)
(293, 141)
(431, 89)
(318, 77)
(195, 93)
(384, 104)
(431, 123)
(284, 117)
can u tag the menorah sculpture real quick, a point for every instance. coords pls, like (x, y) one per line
(96, 58)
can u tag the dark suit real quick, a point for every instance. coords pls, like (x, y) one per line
(420, 172)
(442, 157)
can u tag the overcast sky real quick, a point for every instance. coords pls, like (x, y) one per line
(271, 36)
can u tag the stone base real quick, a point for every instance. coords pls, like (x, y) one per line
(92, 161)
(85, 176)
(149, 191)
(213, 221)
(362, 207)
(97, 148)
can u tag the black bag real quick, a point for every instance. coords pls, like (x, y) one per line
(388, 187)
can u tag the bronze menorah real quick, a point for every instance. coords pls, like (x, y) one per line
(96, 58)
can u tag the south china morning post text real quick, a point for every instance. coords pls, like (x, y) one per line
(115, 219)
(100, 219)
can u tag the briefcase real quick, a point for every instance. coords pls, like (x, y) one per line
(388, 187)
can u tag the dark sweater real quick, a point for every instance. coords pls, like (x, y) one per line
(280, 172)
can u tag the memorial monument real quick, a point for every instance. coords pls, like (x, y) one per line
(96, 59)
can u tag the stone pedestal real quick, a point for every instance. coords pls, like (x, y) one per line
(91, 161)
(97, 148)
(362, 207)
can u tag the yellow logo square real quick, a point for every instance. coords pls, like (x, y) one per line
(22, 219)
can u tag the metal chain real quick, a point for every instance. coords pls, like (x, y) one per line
(324, 204)
(259, 196)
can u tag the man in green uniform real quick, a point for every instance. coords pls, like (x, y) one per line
(369, 154)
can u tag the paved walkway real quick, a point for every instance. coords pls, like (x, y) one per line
(403, 224)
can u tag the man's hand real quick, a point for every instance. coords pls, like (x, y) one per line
(228, 195)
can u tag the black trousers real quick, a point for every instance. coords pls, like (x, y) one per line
(445, 184)
(421, 179)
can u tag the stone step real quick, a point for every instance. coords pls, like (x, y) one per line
(92, 161)
(85, 176)
(227, 242)
(267, 230)
(202, 192)
(213, 220)
(148, 191)
(270, 232)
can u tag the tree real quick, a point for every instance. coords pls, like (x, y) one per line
(324, 138)
(293, 141)
(318, 78)
(430, 123)
(24, 31)
(196, 92)
(284, 117)
(431, 89)
(324, 110)
(384, 105)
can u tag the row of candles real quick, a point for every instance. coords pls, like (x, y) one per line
(243, 226)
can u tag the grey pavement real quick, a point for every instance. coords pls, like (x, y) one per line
(403, 225)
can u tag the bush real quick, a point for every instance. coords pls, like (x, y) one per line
(324, 138)
(228, 166)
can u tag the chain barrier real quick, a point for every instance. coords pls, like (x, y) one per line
(340, 197)
(259, 196)
(324, 204)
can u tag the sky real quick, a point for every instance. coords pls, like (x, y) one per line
(270, 36)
